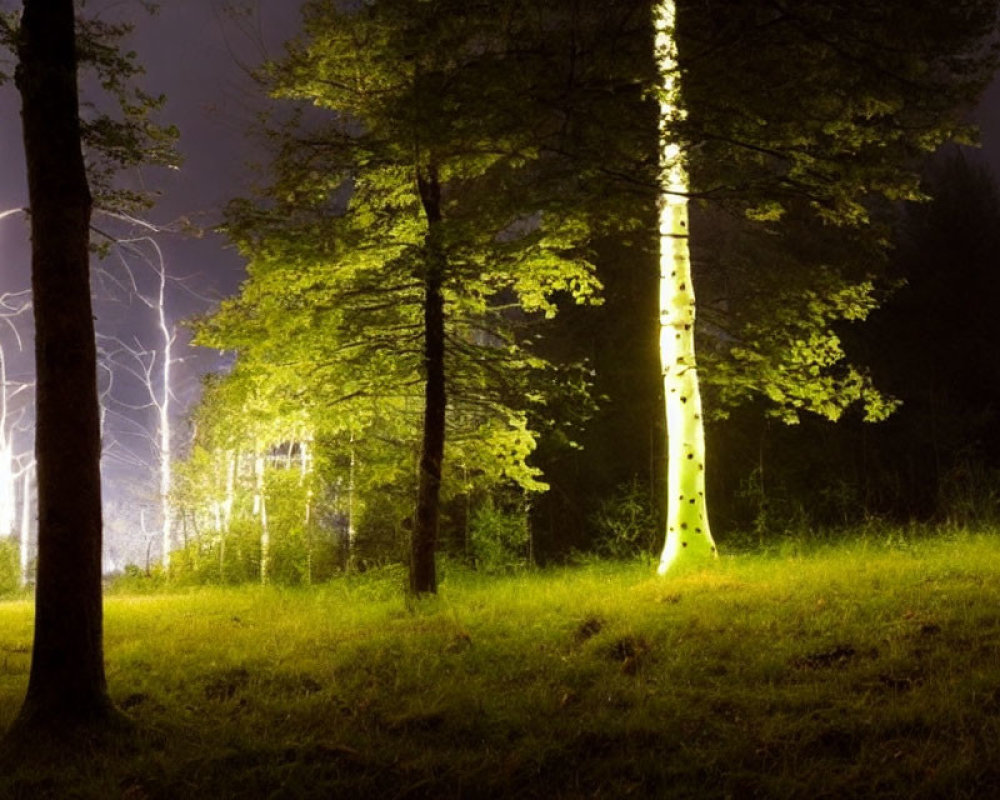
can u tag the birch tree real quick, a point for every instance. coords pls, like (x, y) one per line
(150, 365)
(16, 460)
(836, 141)
(687, 508)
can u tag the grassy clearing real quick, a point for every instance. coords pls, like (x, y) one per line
(857, 670)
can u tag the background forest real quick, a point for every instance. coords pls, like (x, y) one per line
(844, 352)
(465, 345)
(846, 370)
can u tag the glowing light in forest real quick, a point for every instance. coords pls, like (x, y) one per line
(687, 517)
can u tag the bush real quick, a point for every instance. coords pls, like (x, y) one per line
(498, 538)
(135, 580)
(10, 567)
(627, 523)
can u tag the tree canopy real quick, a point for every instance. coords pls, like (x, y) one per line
(415, 235)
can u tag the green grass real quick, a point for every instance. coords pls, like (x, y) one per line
(858, 670)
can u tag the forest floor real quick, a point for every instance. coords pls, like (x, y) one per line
(857, 670)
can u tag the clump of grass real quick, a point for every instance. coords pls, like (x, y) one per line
(869, 668)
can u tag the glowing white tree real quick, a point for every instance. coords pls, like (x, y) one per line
(16, 465)
(27, 514)
(151, 366)
(687, 511)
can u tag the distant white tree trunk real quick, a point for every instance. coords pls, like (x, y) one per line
(8, 508)
(227, 503)
(304, 467)
(27, 508)
(167, 337)
(260, 510)
(687, 512)
(351, 530)
(13, 467)
(147, 362)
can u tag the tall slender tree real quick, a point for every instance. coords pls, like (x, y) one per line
(67, 155)
(67, 684)
(833, 141)
(687, 508)
(430, 127)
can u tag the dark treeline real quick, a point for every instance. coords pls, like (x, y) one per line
(931, 346)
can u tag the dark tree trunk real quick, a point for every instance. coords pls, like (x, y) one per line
(67, 686)
(423, 574)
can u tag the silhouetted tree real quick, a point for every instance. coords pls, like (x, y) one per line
(67, 685)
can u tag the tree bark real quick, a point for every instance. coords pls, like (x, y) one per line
(26, 510)
(352, 531)
(688, 534)
(67, 685)
(260, 509)
(423, 544)
(163, 412)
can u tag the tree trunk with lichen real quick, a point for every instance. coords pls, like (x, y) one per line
(687, 536)
(67, 686)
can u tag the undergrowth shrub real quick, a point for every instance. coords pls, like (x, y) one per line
(499, 537)
(969, 494)
(627, 523)
(10, 567)
(136, 580)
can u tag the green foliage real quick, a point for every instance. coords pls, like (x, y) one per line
(627, 523)
(118, 130)
(123, 136)
(930, 344)
(804, 176)
(804, 368)
(499, 537)
(10, 567)
(384, 526)
(933, 345)
(776, 305)
(9, 27)
(294, 543)
(774, 513)
(969, 494)
(415, 158)
(134, 580)
(873, 94)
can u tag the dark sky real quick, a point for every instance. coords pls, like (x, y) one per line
(196, 54)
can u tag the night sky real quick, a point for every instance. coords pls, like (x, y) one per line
(196, 54)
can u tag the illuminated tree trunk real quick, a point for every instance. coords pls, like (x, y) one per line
(307, 511)
(352, 533)
(227, 503)
(25, 534)
(67, 684)
(163, 412)
(146, 363)
(423, 544)
(687, 536)
(7, 477)
(260, 509)
(216, 512)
